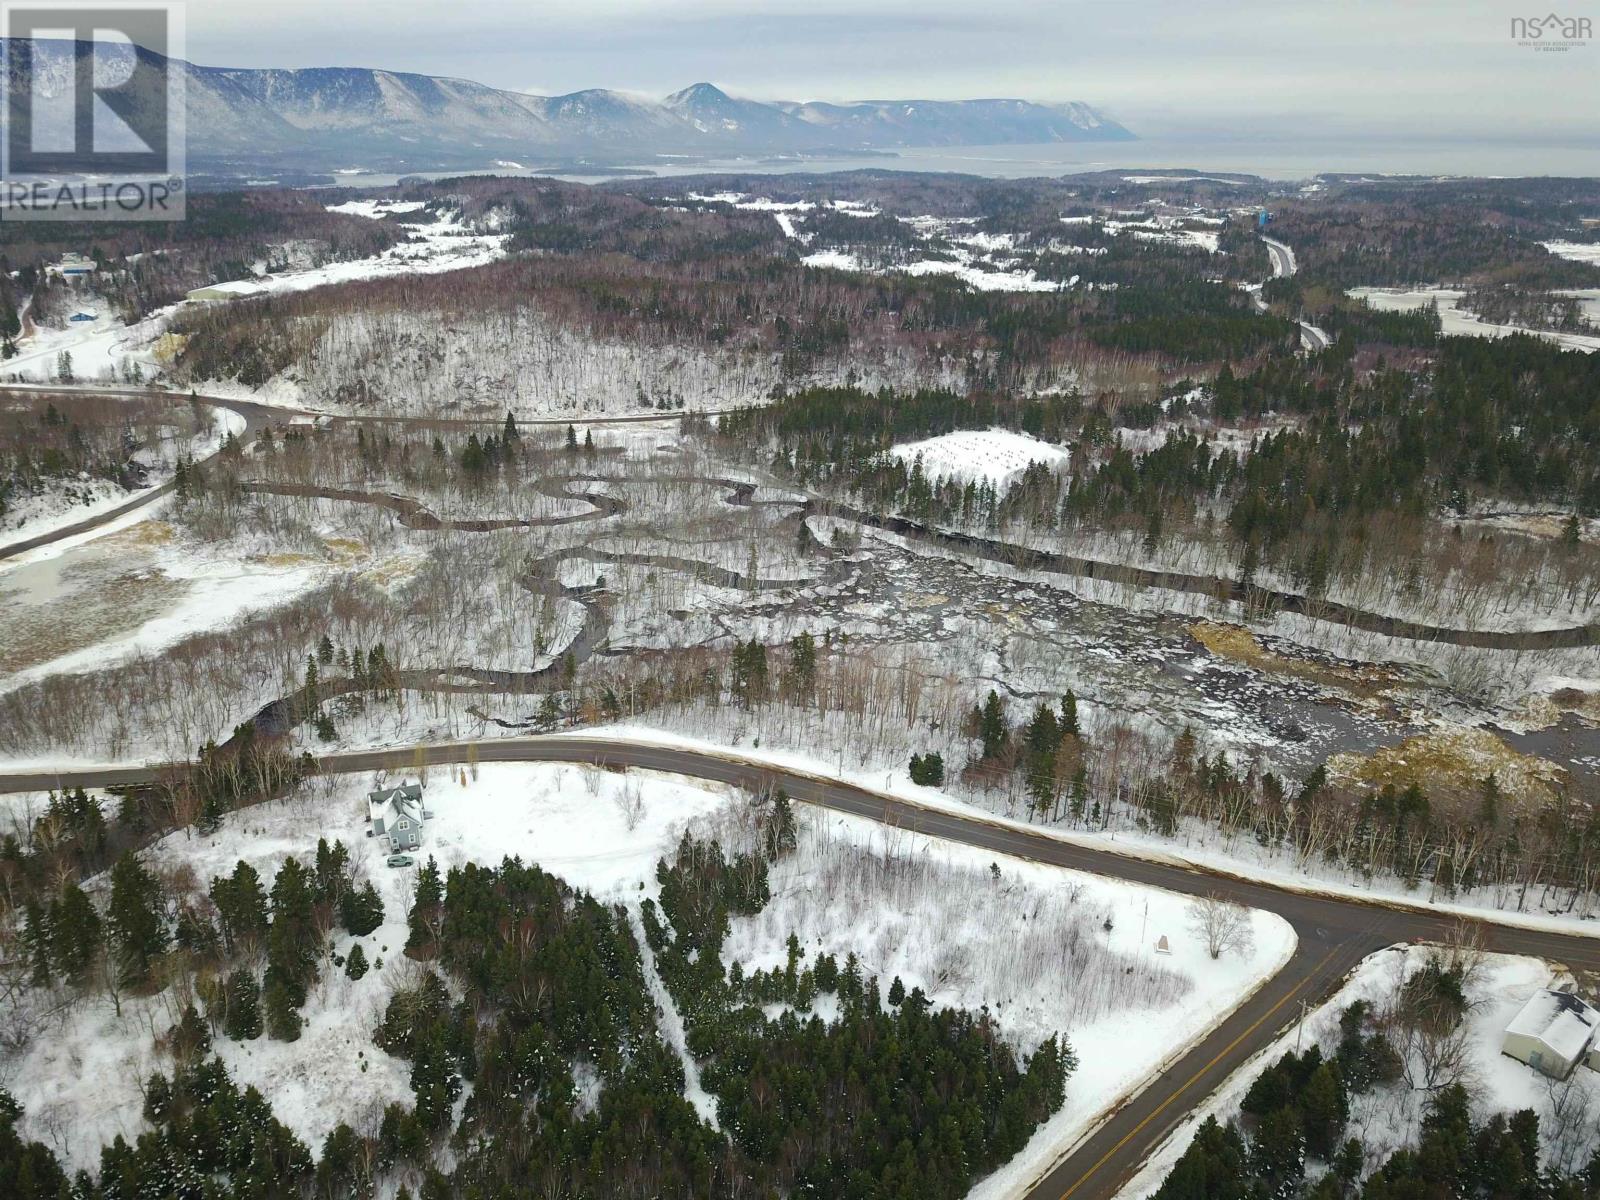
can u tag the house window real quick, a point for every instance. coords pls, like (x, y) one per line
(403, 825)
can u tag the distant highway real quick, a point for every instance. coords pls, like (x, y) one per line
(1284, 265)
(1283, 262)
(1335, 933)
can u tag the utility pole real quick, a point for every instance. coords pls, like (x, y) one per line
(1301, 1027)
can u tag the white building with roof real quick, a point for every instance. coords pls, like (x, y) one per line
(397, 815)
(1553, 1033)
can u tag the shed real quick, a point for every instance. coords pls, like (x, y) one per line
(1553, 1033)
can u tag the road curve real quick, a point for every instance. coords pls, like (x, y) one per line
(1334, 933)
(1283, 262)
(258, 416)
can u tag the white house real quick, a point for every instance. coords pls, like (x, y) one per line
(72, 266)
(397, 814)
(1553, 1033)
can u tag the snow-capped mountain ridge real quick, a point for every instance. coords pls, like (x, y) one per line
(325, 116)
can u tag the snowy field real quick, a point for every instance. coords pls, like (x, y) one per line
(104, 350)
(131, 593)
(1045, 950)
(1587, 252)
(984, 262)
(997, 457)
(1389, 1117)
(936, 915)
(1454, 319)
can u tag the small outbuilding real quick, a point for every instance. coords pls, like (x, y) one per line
(1553, 1033)
(397, 814)
(230, 290)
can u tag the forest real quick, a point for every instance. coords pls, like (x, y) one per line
(69, 443)
(1293, 1134)
(527, 1032)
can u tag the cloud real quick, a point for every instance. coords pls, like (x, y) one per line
(1421, 66)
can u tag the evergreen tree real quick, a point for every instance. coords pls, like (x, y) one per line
(28, 1170)
(1324, 1110)
(138, 934)
(425, 911)
(36, 942)
(241, 906)
(361, 910)
(355, 965)
(332, 864)
(1069, 713)
(779, 827)
(293, 940)
(283, 1009)
(242, 1020)
(190, 1038)
(991, 723)
(74, 933)
(928, 769)
(434, 1080)
(802, 665)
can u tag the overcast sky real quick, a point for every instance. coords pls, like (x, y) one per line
(1402, 68)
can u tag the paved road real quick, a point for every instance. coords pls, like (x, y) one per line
(1334, 933)
(1282, 258)
(1284, 264)
(1312, 338)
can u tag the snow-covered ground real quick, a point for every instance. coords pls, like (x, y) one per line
(69, 501)
(978, 259)
(1047, 951)
(1163, 228)
(934, 914)
(1196, 847)
(133, 592)
(440, 241)
(103, 350)
(375, 210)
(1389, 1117)
(106, 350)
(79, 1078)
(1453, 319)
(1588, 252)
(994, 456)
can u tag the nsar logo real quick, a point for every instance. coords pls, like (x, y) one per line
(1552, 32)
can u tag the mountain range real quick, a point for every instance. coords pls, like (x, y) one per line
(332, 117)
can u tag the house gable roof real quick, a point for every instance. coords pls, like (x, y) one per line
(1560, 1020)
(391, 804)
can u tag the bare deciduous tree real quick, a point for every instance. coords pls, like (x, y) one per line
(1222, 925)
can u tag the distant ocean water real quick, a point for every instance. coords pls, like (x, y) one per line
(1272, 158)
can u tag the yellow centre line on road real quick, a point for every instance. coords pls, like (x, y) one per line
(1195, 1078)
